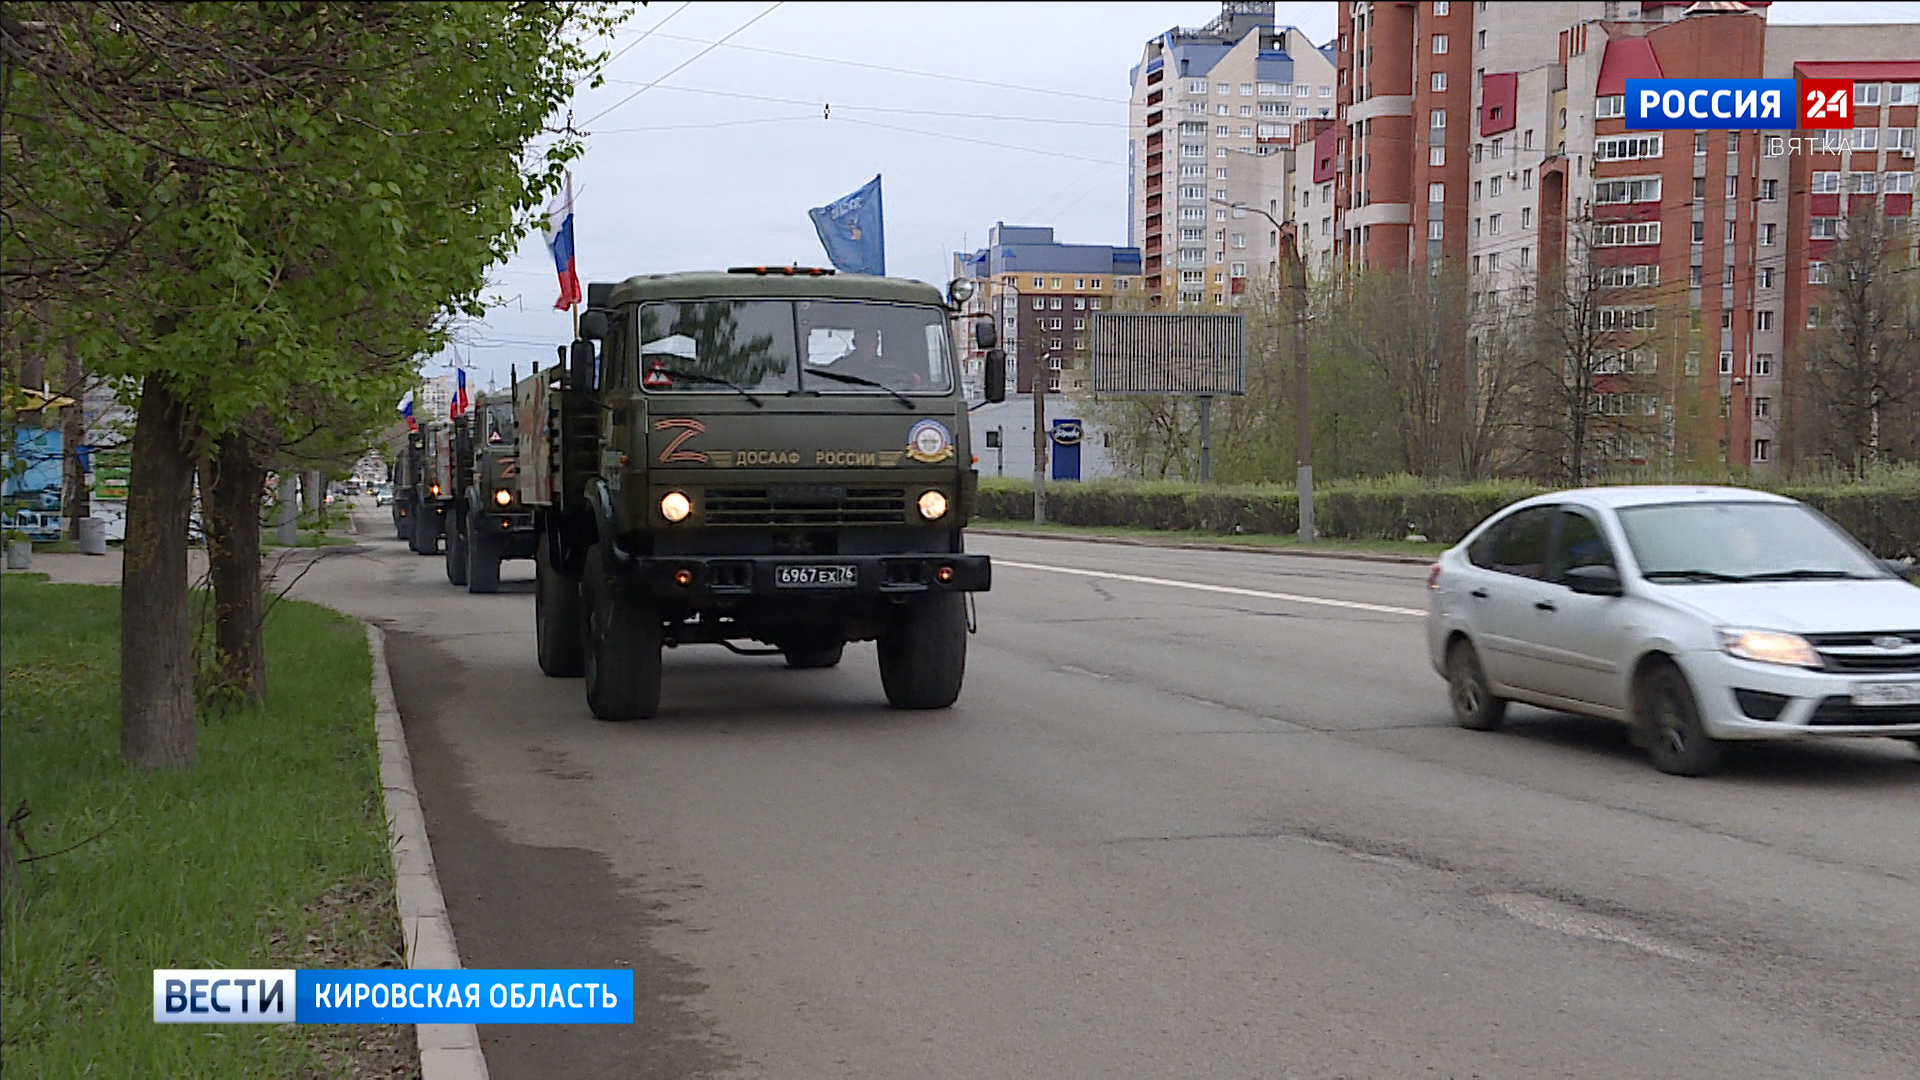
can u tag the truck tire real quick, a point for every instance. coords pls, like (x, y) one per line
(923, 653)
(622, 648)
(815, 656)
(483, 558)
(426, 530)
(402, 528)
(458, 538)
(556, 617)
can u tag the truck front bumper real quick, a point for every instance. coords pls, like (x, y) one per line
(501, 522)
(698, 577)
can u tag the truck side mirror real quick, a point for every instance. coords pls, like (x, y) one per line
(593, 325)
(985, 335)
(580, 367)
(996, 375)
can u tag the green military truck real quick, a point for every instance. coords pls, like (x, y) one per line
(773, 456)
(486, 522)
(406, 477)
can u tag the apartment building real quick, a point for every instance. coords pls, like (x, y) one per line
(1214, 110)
(1043, 294)
(1493, 134)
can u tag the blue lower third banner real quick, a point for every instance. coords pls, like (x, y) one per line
(426, 996)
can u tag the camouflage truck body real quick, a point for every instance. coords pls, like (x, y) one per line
(486, 523)
(770, 457)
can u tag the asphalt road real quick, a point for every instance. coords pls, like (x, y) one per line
(1167, 831)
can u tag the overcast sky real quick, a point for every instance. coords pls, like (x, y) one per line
(972, 113)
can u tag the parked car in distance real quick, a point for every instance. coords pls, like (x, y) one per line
(383, 495)
(1696, 615)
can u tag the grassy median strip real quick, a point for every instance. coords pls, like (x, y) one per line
(270, 853)
(1195, 538)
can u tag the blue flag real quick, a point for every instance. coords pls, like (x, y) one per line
(851, 231)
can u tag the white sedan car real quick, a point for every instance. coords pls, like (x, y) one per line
(1696, 615)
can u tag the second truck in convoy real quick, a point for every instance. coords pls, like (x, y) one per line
(485, 521)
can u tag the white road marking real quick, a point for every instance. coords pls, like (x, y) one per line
(1228, 590)
(1567, 919)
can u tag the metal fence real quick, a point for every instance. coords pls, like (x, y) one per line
(1197, 355)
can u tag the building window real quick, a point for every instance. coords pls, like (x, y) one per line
(1246, 89)
(1056, 304)
(1696, 276)
(1436, 193)
(1439, 44)
(1483, 39)
(1863, 183)
(1813, 318)
(1325, 91)
(1437, 156)
(1766, 234)
(1223, 129)
(1816, 273)
(1763, 320)
(1699, 232)
(1905, 94)
(1626, 318)
(1730, 226)
(1726, 363)
(1493, 225)
(1268, 89)
(1628, 277)
(1437, 119)
(1626, 147)
(1762, 408)
(1439, 81)
(1238, 269)
(1626, 234)
(1039, 303)
(1493, 263)
(1769, 190)
(1762, 450)
(1476, 264)
(1699, 142)
(1440, 7)
(1763, 364)
(1900, 183)
(1693, 362)
(1826, 183)
(1866, 138)
(1219, 215)
(1733, 186)
(1246, 110)
(1095, 302)
(1611, 107)
(1039, 283)
(1246, 132)
(1494, 186)
(1497, 148)
(1196, 86)
(1079, 303)
(1477, 190)
(1826, 228)
(1476, 229)
(1866, 93)
(1434, 230)
(1636, 189)
(1526, 259)
(1526, 217)
(1222, 88)
(1766, 277)
(1239, 240)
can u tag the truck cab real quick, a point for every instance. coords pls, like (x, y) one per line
(775, 460)
(486, 521)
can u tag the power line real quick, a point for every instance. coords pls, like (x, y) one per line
(644, 36)
(978, 142)
(707, 125)
(736, 31)
(826, 108)
(905, 71)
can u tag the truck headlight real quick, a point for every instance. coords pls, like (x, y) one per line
(502, 497)
(434, 490)
(933, 505)
(675, 506)
(1770, 647)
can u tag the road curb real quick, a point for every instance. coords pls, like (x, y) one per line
(1128, 541)
(447, 1051)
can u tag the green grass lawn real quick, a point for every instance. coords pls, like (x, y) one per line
(270, 853)
(1254, 540)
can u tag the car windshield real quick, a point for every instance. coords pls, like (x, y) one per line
(751, 346)
(1740, 541)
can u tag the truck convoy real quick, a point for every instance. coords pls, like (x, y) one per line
(773, 459)
(422, 479)
(485, 520)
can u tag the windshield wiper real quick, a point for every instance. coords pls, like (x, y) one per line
(694, 376)
(1804, 575)
(1691, 575)
(858, 381)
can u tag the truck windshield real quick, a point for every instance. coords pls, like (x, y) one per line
(849, 346)
(499, 424)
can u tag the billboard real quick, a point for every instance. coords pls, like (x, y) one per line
(1196, 355)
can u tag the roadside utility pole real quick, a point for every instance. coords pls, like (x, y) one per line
(1039, 445)
(1302, 388)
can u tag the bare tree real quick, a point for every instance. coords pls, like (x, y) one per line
(1861, 362)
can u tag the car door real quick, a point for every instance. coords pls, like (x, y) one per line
(1511, 571)
(1582, 639)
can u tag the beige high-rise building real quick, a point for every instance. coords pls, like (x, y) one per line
(1215, 111)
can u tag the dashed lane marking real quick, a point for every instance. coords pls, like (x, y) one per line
(1226, 590)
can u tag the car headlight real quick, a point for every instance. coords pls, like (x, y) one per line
(502, 497)
(1770, 647)
(933, 505)
(675, 506)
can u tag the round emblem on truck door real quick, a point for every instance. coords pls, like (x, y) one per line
(929, 441)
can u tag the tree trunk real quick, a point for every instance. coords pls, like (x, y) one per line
(156, 626)
(74, 503)
(233, 485)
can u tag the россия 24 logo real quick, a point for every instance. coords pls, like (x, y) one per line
(1738, 104)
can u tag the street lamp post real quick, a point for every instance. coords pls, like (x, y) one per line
(1302, 386)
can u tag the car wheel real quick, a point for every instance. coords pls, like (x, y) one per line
(1677, 742)
(1474, 706)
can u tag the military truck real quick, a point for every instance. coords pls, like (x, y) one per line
(773, 459)
(486, 522)
(433, 490)
(406, 477)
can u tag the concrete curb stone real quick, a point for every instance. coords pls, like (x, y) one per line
(1128, 541)
(447, 1051)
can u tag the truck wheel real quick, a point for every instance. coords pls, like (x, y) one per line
(402, 529)
(556, 617)
(483, 558)
(458, 538)
(923, 654)
(815, 656)
(426, 530)
(622, 647)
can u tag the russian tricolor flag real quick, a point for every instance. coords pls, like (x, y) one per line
(560, 242)
(406, 411)
(461, 403)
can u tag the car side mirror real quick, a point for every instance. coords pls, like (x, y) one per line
(593, 325)
(1905, 569)
(580, 365)
(996, 375)
(1595, 581)
(985, 334)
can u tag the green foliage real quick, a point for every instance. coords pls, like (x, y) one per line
(272, 852)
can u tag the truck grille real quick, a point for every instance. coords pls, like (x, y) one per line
(806, 505)
(1869, 653)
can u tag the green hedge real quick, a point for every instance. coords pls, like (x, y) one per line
(1883, 515)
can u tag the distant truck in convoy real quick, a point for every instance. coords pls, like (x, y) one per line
(772, 455)
(422, 481)
(486, 523)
